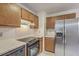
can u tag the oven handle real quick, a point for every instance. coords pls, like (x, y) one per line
(35, 43)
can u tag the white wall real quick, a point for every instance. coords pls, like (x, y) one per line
(42, 22)
(42, 18)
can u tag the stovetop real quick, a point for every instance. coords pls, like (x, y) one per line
(28, 40)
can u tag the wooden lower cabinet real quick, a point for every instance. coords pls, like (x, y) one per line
(50, 44)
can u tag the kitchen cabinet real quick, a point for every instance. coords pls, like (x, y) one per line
(20, 51)
(50, 44)
(10, 15)
(24, 14)
(66, 16)
(28, 16)
(50, 22)
(61, 17)
(31, 17)
(70, 16)
(36, 23)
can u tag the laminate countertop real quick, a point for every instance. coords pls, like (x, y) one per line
(7, 45)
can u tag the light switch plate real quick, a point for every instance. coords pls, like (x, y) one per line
(1, 34)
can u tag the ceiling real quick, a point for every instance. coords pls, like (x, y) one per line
(50, 7)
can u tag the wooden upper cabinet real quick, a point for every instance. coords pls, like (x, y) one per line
(50, 22)
(36, 22)
(31, 17)
(66, 16)
(10, 15)
(26, 15)
(70, 16)
(61, 17)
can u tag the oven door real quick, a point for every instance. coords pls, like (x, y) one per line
(33, 50)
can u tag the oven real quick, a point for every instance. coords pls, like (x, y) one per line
(33, 48)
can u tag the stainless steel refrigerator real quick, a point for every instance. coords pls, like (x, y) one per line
(68, 43)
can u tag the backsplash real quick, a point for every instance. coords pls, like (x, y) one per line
(10, 34)
(14, 33)
(50, 32)
(20, 33)
(7, 33)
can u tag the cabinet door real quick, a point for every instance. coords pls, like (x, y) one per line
(36, 22)
(66, 16)
(70, 16)
(50, 22)
(31, 17)
(61, 17)
(26, 15)
(50, 44)
(10, 15)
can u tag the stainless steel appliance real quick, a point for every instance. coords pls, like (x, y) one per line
(68, 43)
(59, 29)
(32, 45)
(33, 48)
(71, 37)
